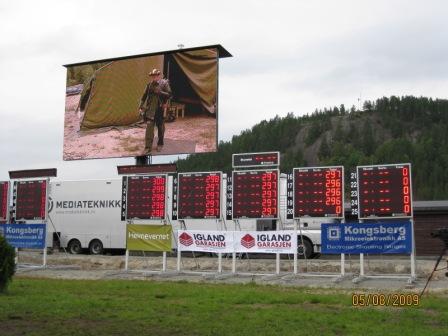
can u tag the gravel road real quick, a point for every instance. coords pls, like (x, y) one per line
(200, 269)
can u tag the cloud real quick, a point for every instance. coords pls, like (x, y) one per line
(289, 56)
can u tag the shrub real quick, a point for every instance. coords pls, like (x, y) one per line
(7, 264)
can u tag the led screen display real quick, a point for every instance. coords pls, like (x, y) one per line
(4, 200)
(256, 159)
(30, 198)
(199, 195)
(385, 191)
(146, 197)
(255, 194)
(154, 104)
(319, 192)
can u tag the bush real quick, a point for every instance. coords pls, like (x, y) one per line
(7, 264)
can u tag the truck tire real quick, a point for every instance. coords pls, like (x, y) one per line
(74, 246)
(305, 250)
(96, 247)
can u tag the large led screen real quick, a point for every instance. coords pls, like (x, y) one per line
(255, 194)
(385, 191)
(319, 192)
(154, 104)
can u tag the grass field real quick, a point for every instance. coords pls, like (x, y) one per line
(115, 307)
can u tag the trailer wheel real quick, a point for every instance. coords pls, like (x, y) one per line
(96, 247)
(74, 246)
(305, 250)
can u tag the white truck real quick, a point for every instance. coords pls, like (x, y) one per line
(87, 215)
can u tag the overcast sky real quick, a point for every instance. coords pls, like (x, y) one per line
(288, 56)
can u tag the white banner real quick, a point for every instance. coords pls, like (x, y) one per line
(205, 241)
(265, 241)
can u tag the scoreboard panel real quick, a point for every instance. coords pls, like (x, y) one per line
(255, 194)
(199, 195)
(318, 192)
(146, 197)
(30, 199)
(384, 191)
(4, 189)
(255, 159)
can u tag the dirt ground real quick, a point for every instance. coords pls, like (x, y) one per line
(185, 135)
(67, 266)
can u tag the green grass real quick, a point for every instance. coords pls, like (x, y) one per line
(73, 307)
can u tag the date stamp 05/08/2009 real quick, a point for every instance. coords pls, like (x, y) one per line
(378, 299)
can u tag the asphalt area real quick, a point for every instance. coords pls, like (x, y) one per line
(320, 273)
(191, 134)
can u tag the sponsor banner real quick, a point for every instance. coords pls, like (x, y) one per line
(30, 236)
(156, 238)
(375, 238)
(265, 241)
(205, 241)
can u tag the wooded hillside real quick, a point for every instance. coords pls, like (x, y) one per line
(388, 130)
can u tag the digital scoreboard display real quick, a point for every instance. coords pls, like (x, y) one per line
(4, 186)
(319, 192)
(255, 159)
(146, 197)
(255, 194)
(199, 195)
(30, 198)
(384, 191)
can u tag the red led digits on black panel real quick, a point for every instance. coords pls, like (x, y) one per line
(385, 191)
(318, 192)
(3, 200)
(255, 194)
(256, 159)
(31, 199)
(146, 197)
(199, 195)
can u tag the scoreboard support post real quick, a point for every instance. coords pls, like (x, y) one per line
(44, 220)
(413, 268)
(342, 259)
(277, 255)
(315, 192)
(237, 227)
(179, 256)
(126, 260)
(220, 225)
(402, 188)
(164, 261)
(295, 252)
(44, 264)
(139, 178)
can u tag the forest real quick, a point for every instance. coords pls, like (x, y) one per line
(388, 130)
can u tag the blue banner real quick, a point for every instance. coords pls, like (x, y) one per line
(373, 238)
(30, 236)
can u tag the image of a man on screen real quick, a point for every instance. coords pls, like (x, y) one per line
(153, 108)
(112, 107)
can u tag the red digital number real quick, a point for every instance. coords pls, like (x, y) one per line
(406, 191)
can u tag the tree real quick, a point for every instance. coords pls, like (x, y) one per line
(7, 264)
(368, 140)
(324, 149)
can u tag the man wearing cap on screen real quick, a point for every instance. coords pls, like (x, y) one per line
(152, 106)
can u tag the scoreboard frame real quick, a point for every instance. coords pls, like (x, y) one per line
(396, 165)
(15, 191)
(165, 214)
(278, 193)
(235, 166)
(8, 195)
(209, 173)
(342, 192)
